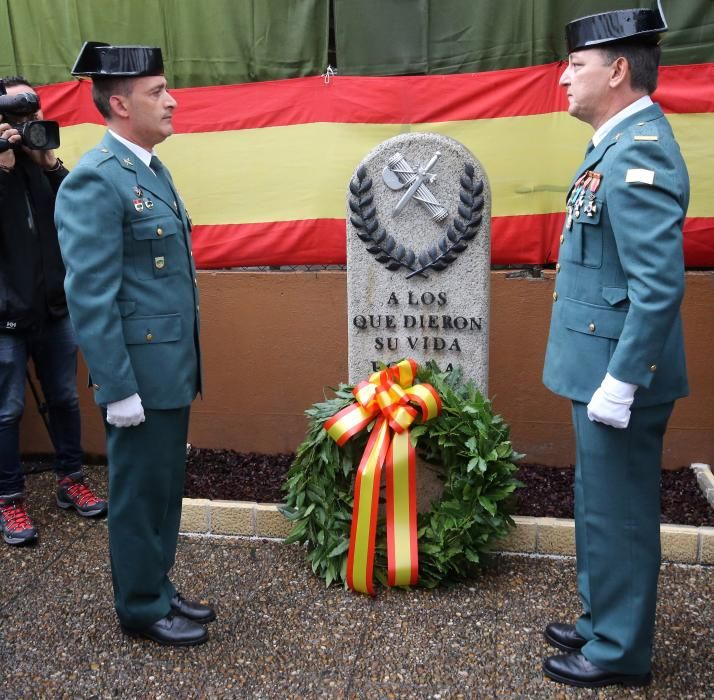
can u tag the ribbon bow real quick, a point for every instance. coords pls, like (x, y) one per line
(386, 396)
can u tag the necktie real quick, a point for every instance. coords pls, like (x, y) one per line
(588, 150)
(158, 167)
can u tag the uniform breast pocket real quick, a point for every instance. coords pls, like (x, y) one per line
(586, 242)
(156, 248)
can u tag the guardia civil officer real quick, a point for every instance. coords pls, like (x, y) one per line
(615, 347)
(131, 290)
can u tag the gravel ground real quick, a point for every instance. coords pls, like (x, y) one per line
(280, 633)
(225, 474)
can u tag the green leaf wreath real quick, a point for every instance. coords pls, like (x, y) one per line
(471, 448)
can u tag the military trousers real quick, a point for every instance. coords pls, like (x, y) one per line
(617, 532)
(147, 465)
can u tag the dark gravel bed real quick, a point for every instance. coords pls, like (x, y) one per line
(548, 491)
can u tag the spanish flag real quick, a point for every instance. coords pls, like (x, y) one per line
(264, 167)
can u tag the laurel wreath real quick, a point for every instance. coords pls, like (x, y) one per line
(380, 243)
(470, 449)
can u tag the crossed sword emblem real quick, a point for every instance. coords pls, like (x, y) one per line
(398, 174)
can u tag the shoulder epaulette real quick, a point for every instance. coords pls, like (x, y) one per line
(644, 131)
(96, 156)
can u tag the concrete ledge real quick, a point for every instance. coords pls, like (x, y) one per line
(233, 518)
(680, 543)
(555, 536)
(521, 539)
(195, 515)
(270, 522)
(706, 545)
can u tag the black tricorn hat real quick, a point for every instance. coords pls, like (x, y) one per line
(97, 59)
(618, 25)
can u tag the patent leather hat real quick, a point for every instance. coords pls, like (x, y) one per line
(618, 25)
(97, 59)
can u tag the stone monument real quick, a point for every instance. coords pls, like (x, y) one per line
(418, 257)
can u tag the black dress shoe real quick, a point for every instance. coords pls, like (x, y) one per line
(192, 609)
(575, 669)
(172, 630)
(564, 637)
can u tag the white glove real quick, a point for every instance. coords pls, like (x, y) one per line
(126, 412)
(611, 402)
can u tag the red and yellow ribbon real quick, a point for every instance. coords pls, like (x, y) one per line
(386, 396)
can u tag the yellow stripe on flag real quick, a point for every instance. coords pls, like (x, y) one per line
(302, 171)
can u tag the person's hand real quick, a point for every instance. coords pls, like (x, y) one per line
(610, 404)
(7, 158)
(126, 412)
(47, 160)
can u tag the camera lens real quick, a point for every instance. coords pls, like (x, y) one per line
(36, 135)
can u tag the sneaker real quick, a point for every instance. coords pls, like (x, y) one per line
(15, 523)
(73, 492)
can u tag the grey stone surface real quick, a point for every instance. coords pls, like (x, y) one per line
(280, 633)
(443, 316)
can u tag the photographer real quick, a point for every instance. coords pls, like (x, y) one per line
(33, 316)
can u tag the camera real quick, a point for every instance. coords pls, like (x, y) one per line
(40, 135)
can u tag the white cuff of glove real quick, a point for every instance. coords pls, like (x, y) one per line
(126, 412)
(610, 404)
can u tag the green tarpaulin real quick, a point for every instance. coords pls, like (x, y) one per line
(374, 37)
(205, 42)
(213, 42)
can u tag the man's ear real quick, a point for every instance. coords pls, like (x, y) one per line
(619, 71)
(118, 105)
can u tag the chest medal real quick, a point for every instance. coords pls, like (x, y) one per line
(582, 197)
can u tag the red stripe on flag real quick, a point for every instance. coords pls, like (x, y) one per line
(699, 241)
(515, 240)
(304, 242)
(375, 100)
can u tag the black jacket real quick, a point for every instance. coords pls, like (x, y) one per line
(31, 268)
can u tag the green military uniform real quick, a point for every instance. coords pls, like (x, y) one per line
(619, 285)
(133, 300)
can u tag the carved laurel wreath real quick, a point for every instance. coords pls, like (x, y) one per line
(462, 228)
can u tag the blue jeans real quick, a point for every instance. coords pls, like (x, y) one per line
(53, 349)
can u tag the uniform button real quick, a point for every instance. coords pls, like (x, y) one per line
(195, 282)
(198, 308)
(555, 296)
(96, 386)
(591, 327)
(557, 267)
(653, 368)
(562, 237)
(159, 231)
(149, 337)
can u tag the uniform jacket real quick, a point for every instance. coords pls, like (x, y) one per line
(620, 273)
(31, 269)
(131, 280)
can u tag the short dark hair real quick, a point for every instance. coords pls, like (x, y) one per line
(12, 80)
(103, 88)
(642, 58)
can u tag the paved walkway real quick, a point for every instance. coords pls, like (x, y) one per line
(281, 634)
